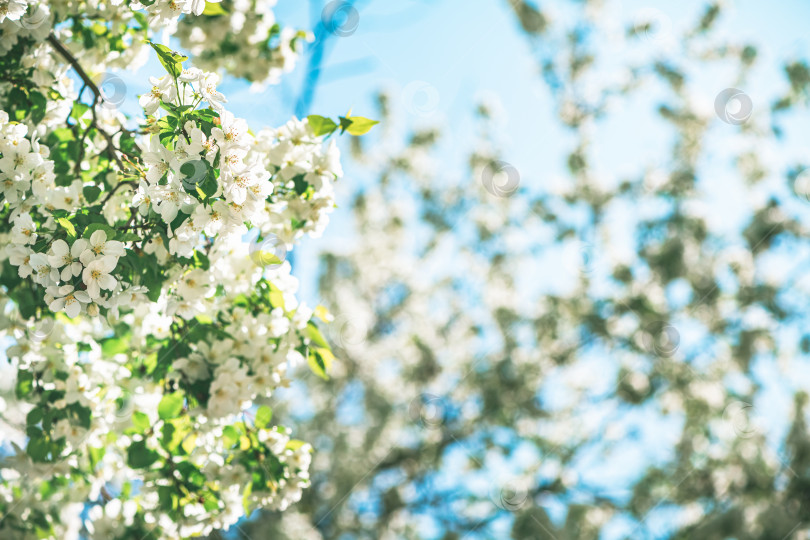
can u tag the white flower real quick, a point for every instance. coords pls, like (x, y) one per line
(297, 132)
(208, 89)
(61, 256)
(194, 284)
(190, 75)
(12, 9)
(24, 230)
(97, 275)
(162, 90)
(15, 169)
(41, 269)
(69, 300)
(194, 145)
(67, 198)
(100, 246)
(155, 246)
(193, 367)
(238, 187)
(142, 198)
(20, 256)
(157, 158)
(279, 323)
(231, 132)
(73, 434)
(166, 201)
(198, 6)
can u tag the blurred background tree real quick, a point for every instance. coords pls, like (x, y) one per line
(618, 351)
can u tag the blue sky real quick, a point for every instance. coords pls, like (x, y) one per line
(437, 59)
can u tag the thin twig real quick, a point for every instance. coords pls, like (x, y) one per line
(88, 82)
(113, 190)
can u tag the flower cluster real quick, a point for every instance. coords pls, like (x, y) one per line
(258, 49)
(244, 39)
(60, 268)
(20, 19)
(146, 299)
(93, 426)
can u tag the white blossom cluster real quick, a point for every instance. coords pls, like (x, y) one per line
(78, 276)
(255, 360)
(19, 21)
(133, 301)
(87, 384)
(258, 50)
(244, 185)
(292, 151)
(28, 182)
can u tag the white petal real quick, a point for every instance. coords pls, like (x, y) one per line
(108, 263)
(87, 257)
(60, 248)
(73, 308)
(93, 290)
(78, 247)
(107, 282)
(98, 238)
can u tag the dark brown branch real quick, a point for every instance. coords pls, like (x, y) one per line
(114, 189)
(88, 82)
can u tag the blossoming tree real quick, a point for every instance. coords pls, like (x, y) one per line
(147, 307)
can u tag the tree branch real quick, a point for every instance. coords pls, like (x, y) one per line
(88, 82)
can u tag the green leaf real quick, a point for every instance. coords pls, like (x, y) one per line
(213, 9)
(208, 186)
(38, 446)
(201, 260)
(34, 416)
(315, 335)
(344, 124)
(263, 416)
(68, 226)
(321, 125)
(96, 455)
(113, 346)
(168, 498)
(80, 414)
(38, 107)
(295, 444)
(91, 193)
(248, 508)
(25, 383)
(320, 360)
(171, 60)
(174, 432)
(210, 501)
(171, 437)
(358, 125)
(276, 298)
(124, 236)
(170, 406)
(230, 436)
(139, 456)
(141, 18)
(79, 111)
(141, 421)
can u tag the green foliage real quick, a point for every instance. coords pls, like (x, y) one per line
(172, 61)
(355, 125)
